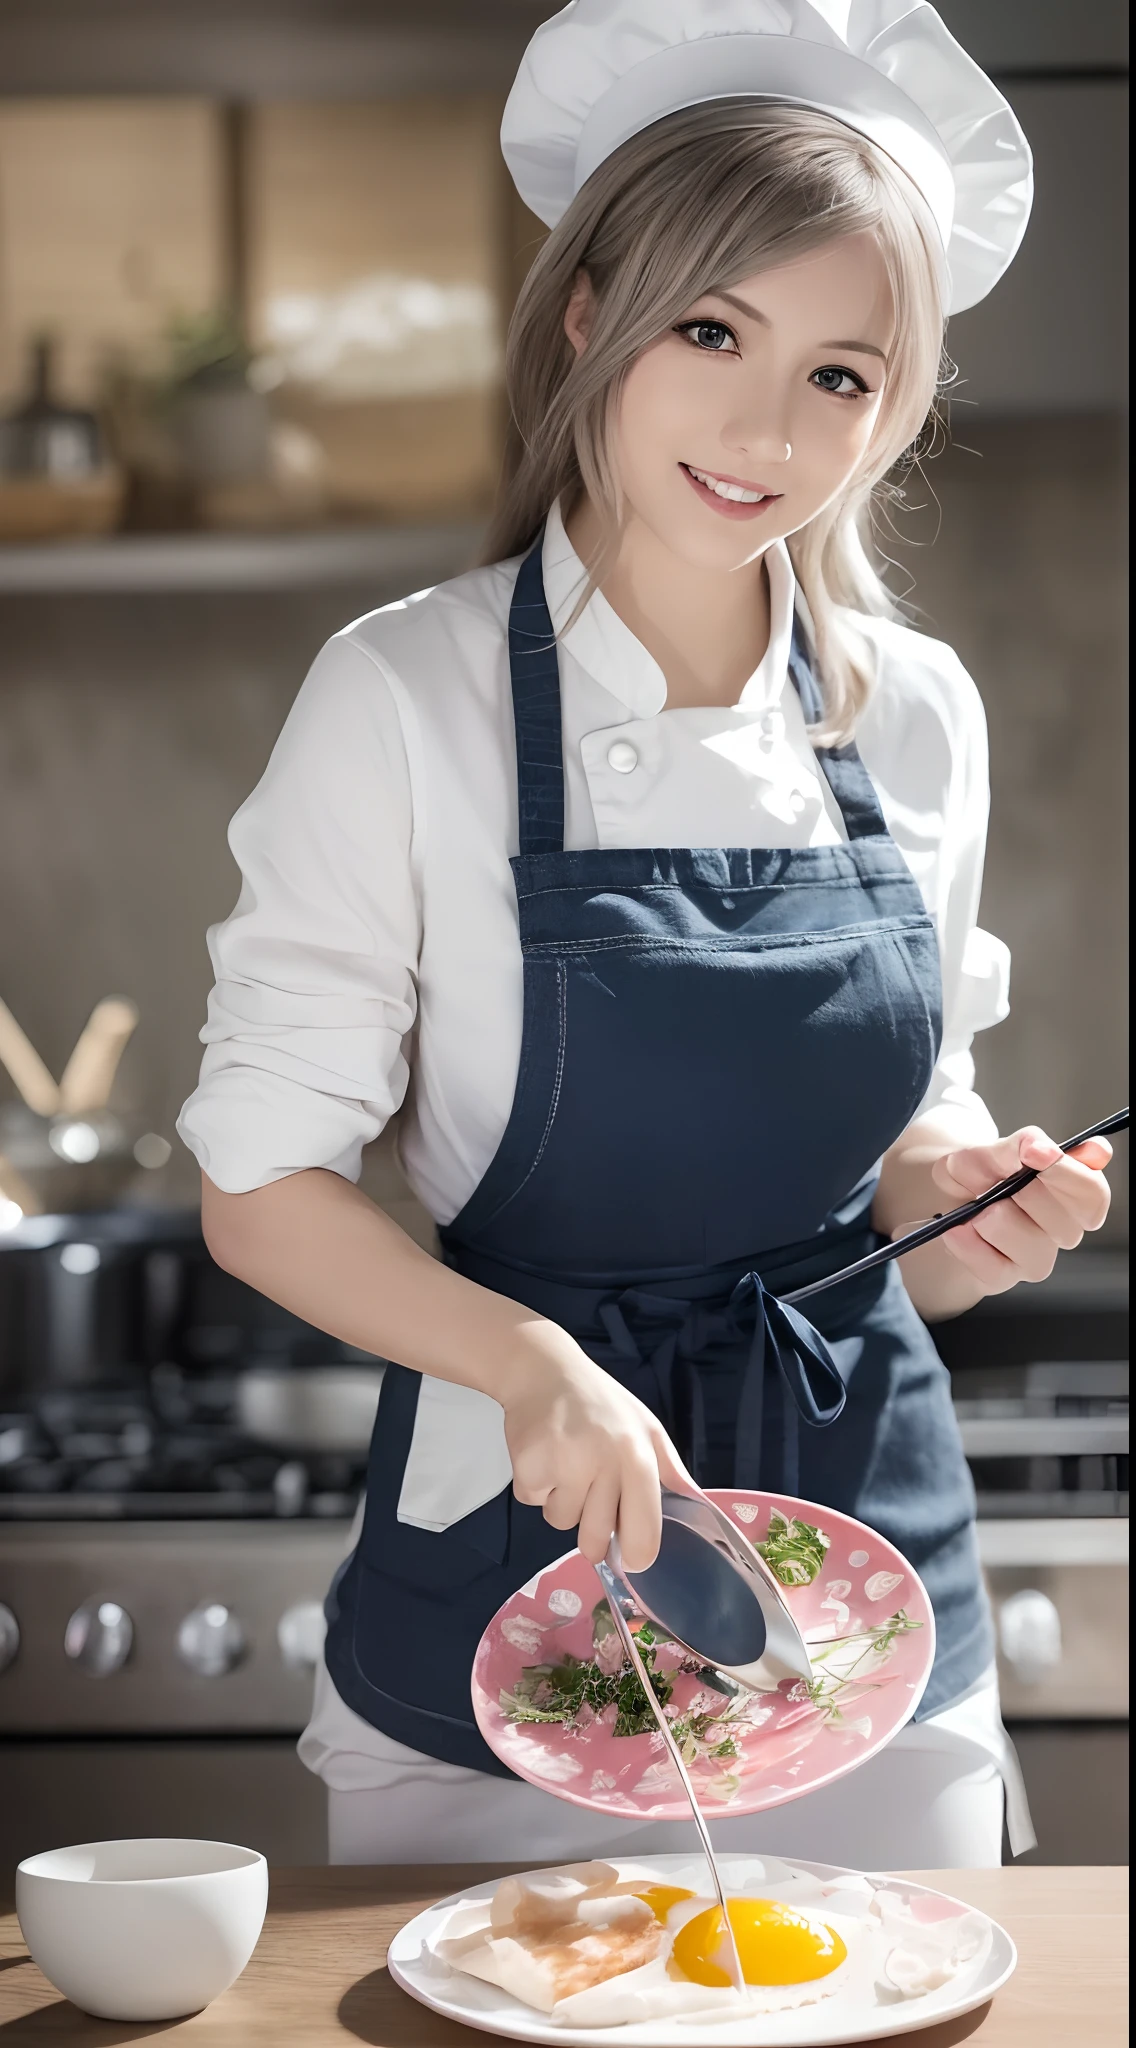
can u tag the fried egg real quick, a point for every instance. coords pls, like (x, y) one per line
(775, 1945)
(603, 1945)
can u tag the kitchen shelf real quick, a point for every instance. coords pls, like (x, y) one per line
(1053, 1540)
(403, 557)
(1045, 1436)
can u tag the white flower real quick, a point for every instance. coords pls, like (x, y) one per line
(555, 1766)
(523, 1632)
(660, 1777)
(881, 1584)
(564, 1602)
(861, 1726)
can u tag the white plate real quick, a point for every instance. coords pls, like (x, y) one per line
(491, 2011)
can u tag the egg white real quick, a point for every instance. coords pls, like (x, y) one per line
(892, 1956)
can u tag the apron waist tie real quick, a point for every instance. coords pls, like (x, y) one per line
(781, 1341)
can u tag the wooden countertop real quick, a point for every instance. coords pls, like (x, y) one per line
(318, 1975)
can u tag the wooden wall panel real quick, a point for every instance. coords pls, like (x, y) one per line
(111, 222)
(349, 197)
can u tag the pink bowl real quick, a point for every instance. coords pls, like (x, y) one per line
(792, 1741)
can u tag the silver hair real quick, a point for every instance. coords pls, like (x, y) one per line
(694, 204)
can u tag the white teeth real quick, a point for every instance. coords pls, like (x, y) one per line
(721, 490)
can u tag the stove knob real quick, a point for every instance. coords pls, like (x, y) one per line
(300, 1632)
(9, 1637)
(211, 1640)
(99, 1637)
(1029, 1635)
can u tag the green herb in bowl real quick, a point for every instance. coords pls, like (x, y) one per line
(794, 1551)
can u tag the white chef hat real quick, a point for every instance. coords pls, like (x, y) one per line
(600, 71)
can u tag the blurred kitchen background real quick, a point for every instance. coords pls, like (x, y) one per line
(256, 262)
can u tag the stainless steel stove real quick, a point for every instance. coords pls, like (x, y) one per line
(153, 1628)
(159, 1571)
(162, 1575)
(173, 1451)
(1047, 1439)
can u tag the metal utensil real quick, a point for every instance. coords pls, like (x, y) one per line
(328, 1409)
(614, 1591)
(89, 1074)
(17, 1053)
(711, 1592)
(965, 1213)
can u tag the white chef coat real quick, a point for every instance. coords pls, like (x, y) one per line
(375, 937)
(372, 964)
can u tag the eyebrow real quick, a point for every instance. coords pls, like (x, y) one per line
(751, 312)
(862, 348)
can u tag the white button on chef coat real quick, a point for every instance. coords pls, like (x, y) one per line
(377, 922)
(622, 757)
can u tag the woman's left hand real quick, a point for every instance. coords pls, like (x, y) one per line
(1019, 1239)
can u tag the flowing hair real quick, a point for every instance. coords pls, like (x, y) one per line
(694, 204)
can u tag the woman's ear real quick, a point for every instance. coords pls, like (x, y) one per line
(579, 311)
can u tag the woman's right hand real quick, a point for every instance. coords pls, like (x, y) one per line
(585, 1450)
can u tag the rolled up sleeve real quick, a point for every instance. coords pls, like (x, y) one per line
(315, 970)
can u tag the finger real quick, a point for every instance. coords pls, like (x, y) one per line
(1060, 1220)
(905, 1229)
(991, 1269)
(599, 1517)
(1081, 1190)
(531, 1491)
(563, 1507)
(1019, 1239)
(1095, 1152)
(974, 1168)
(640, 1524)
(1037, 1149)
(672, 1472)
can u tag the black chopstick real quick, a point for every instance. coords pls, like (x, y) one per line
(939, 1225)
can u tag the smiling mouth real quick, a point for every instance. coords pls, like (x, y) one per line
(728, 491)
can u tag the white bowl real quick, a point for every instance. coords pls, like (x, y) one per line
(146, 1930)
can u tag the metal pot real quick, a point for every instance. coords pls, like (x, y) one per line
(321, 1408)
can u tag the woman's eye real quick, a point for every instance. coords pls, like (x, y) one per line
(841, 383)
(712, 335)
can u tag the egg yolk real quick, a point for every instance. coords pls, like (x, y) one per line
(661, 1897)
(775, 1945)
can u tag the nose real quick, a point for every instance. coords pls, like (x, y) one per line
(759, 432)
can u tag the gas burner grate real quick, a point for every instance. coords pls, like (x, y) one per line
(121, 1455)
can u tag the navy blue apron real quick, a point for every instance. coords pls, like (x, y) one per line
(718, 1046)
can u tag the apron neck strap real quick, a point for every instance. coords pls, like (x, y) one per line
(842, 767)
(535, 673)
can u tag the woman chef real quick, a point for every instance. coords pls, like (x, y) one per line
(638, 872)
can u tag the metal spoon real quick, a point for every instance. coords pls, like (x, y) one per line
(615, 1592)
(711, 1592)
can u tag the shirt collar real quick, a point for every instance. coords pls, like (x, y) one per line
(611, 654)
